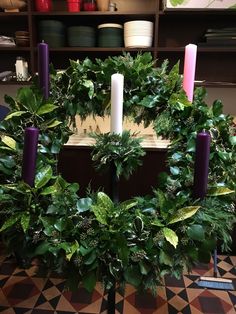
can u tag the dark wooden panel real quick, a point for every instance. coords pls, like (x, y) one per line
(75, 165)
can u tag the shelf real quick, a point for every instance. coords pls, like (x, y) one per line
(216, 84)
(173, 30)
(93, 13)
(98, 49)
(212, 49)
(197, 12)
(14, 49)
(15, 83)
(15, 14)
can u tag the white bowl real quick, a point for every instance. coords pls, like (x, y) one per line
(138, 28)
(138, 32)
(138, 41)
(138, 25)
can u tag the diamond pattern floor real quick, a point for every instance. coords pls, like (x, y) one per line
(23, 292)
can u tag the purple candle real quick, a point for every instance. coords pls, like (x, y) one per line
(201, 164)
(43, 68)
(30, 155)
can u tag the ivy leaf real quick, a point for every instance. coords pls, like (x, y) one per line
(165, 259)
(83, 204)
(8, 161)
(217, 191)
(84, 251)
(43, 176)
(25, 220)
(133, 275)
(217, 108)
(48, 223)
(144, 268)
(60, 224)
(89, 280)
(42, 248)
(148, 101)
(191, 145)
(174, 170)
(170, 236)
(90, 258)
(183, 213)
(232, 140)
(72, 248)
(89, 84)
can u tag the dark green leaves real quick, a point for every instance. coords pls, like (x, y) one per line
(43, 176)
(123, 151)
(133, 276)
(196, 232)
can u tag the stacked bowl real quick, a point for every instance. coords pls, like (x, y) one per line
(110, 35)
(22, 38)
(52, 32)
(138, 34)
(81, 36)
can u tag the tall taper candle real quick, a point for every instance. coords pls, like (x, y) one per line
(117, 86)
(30, 155)
(43, 68)
(201, 164)
(189, 70)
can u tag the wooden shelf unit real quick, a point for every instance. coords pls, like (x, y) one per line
(173, 29)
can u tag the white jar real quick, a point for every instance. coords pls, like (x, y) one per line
(21, 69)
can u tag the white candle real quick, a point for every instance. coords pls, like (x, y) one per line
(117, 86)
(189, 70)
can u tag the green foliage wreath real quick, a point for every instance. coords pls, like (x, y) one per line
(92, 238)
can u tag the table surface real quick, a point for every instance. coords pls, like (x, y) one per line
(149, 141)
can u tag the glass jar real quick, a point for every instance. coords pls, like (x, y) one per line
(89, 5)
(43, 5)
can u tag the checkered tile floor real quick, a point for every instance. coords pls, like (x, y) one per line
(23, 292)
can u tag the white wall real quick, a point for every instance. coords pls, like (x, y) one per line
(226, 95)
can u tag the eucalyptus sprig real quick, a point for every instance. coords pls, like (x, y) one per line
(123, 150)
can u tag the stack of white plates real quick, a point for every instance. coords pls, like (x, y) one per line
(138, 34)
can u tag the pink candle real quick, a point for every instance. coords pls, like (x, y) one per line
(189, 70)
